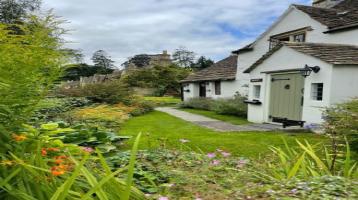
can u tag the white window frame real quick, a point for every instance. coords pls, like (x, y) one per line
(315, 93)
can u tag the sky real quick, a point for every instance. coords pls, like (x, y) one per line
(124, 28)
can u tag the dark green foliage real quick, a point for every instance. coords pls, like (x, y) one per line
(162, 78)
(103, 62)
(14, 11)
(110, 92)
(75, 71)
(202, 63)
(234, 106)
(139, 61)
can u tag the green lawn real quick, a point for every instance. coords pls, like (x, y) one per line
(226, 118)
(162, 130)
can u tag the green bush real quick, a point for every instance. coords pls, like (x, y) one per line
(198, 103)
(342, 121)
(234, 106)
(110, 92)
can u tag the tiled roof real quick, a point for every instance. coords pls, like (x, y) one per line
(331, 53)
(222, 70)
(343, 15)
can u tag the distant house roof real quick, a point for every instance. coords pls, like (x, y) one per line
(331, 53)
(342, 16)
(222, 70)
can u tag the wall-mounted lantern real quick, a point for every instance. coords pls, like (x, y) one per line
(308, 70)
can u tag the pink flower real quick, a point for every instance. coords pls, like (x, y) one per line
(215, 162)
(241, 163)
(226, 154)
(211, 155)
(163, 198)
(88, 149)
(184, 141)
(198, 199)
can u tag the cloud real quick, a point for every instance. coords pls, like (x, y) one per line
(124, 28)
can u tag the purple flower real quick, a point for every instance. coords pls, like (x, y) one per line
(184, 141)
(211, 155)
(294, 191)
(88, 149)
(215, 163)
(225, 154)
(163, 198)
(241, 163)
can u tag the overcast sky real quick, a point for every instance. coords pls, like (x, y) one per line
(123, 28)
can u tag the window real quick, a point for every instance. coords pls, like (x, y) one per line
(257, 91)
(217, 88)
(299, 37)
(276, 41)
(317, 91)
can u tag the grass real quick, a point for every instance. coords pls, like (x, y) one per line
(164, 131)
(163, 101)
(226, 118)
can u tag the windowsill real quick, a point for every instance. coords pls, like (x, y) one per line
(253, 102)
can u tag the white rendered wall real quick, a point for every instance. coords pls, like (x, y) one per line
(344, 84)
(294, 19)
(284, 59)
(193, 89)
(228, 90)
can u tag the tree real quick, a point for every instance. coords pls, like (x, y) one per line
(139, 61)
(103, 62)
(73, 72)
(183, 57)
(14, 11)
(202, 63)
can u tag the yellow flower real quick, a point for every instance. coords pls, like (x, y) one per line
(7, 162)
(19, 138)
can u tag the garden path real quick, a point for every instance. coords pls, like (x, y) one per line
(215, 124)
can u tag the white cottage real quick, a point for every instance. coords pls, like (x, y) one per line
(322, 40)
(305, 62)
(216, 81)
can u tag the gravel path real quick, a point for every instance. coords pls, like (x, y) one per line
(215, 124)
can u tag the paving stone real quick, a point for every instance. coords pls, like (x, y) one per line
(217, 125)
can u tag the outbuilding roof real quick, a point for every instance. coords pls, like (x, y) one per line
(331, 53)
(343, 15)
(222, 70)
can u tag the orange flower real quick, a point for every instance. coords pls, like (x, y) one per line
(43, 152)
(53, 149)
(19, 138)
(59, 170)
(58, 161)
(58, 173)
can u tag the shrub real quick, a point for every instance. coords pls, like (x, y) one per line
(51, 108)
(30, 62)
(342, 121)
(110, 92)
(235, 106)
(198, 103)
